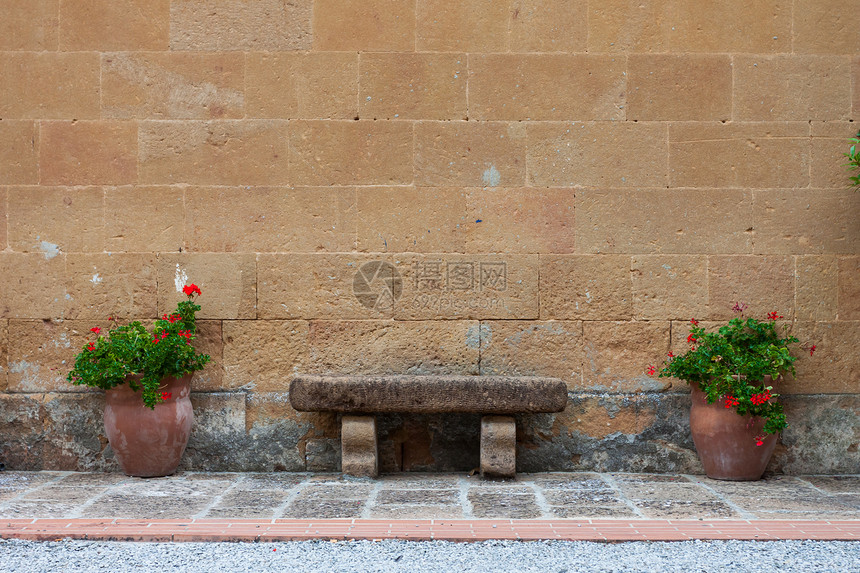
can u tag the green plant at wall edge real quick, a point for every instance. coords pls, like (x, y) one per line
(130, 349)
(853, 164)
(735, 363)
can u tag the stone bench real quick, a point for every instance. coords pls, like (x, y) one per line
(358, 398)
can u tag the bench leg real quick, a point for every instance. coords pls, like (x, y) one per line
(498, 446)
(358, 446)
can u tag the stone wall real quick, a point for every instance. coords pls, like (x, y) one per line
(548, 187)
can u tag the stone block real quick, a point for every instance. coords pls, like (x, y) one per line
(822, 435)
(482, 154)
(826, 27)
(220, 25)
(227, 152)
(19, 156)
(116, 284)
(23, 434)
(29, 25)
(228, 282)
(542, 220)
(834, 368)
(219, 440)
(690, 26)
(758, 155)
(848, 293)
(413, 86)
(74, 437)
(787, 222)
(210, 341)
(3, 236)
(88, 153)
(533, 348)
(649, 221)
(359, 449)
(483, 286)
(350, 152)
(498, 446)
(263, 355)
(393, 347)
(546, 87)
(469, 26)
(144, 219)
(32, 285)
(364, 25)
(679, 87)
(267, 219)
(49, 85)
(585, 287)
(409, 219)
(817, 289)
(791, 88)
(597, 154)
(855, 87)
(828, 162)
(548, 26)
(161, 85)
(102, 25)
(669, 286)
(764, 283)
(617, 355)
(4, 354)
(51, 220)
(277, 435)
(312, 85)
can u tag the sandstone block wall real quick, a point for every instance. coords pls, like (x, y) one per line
(549, 187)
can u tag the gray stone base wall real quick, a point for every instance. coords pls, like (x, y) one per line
(261, 432)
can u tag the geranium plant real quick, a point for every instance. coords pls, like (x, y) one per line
(736, 364)
(127, 350)
(853, 164)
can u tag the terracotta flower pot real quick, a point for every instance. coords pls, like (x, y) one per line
(726, 442)
(149, 443)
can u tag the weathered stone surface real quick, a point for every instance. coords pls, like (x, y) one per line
(4, 354)
(823, 434)
(543, 220)
(263, 25)
(469, 26)
(484, 154)
(764, 283)
(45, 85)
(413, 86)
(29, 25)
(218, 439)
(3, 235)
(499, 446)
(385, 347)
(160, 85)
(228, 282)
(276, 434)
(489, 505)
(531, 348)
(848, 293)
(103, 285)
(301, 85)
(74, 433)
(262, 355)
(32, 285)
(23, 436)
(427, 393)
(817, 287)
(672, 87)
(596, 154)
(144, 219)
(428, 442)
(88, 153)
(19, 156)
(825, 27)
(323, 455)
(758, 155)
(855, 86)
(617, 355)
(648, 221)
(409, 219)
(51, 220)
(358, 446)
(834, 368)
(228, 152)
(546, 87)
(591, 287)
(829, 143)
(266, 219)
(791, 88)
(350, 152)
(669, 286)
(548, 26)
(210, 341)
(364, 25)
(114, 25)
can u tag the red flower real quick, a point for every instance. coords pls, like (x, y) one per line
(692, 338)
(91, 347)
(759, 441)
(759, 399)
(191, 289)
(812, 350)
(651, 371)
(166, 395)
(694, 322)
(730, 401)
(96, 329)
(670, 355)
(739, 307)
(773, 315)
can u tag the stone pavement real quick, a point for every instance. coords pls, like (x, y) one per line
(284, 506)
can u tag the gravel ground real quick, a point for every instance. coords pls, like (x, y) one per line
(360, 556)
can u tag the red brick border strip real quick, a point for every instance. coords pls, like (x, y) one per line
(253, 530)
